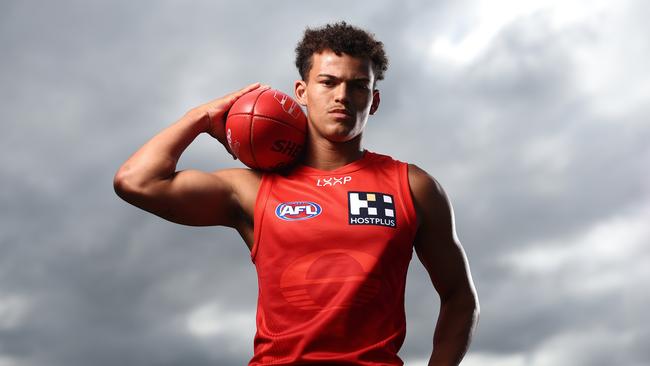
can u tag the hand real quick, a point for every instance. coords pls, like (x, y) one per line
(217, 110)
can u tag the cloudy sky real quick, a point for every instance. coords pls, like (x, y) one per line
(534, 115)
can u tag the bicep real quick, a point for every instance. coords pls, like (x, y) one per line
(445, 261)
(436, 243)
(192, 197)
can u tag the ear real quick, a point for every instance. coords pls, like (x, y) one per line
(300, 91)
(375, 101)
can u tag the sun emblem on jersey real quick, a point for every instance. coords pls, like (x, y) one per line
(331, 279)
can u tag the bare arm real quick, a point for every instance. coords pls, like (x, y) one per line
(149, 180)
(441, 253)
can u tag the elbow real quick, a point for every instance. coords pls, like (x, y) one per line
(464, 301)
(125, 186)
(476, 309)
(473, 308)
(120, 184)
(469, 306)
(472, 304)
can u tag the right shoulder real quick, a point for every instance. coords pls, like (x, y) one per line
(244, 184)
(239, 175)
(243, 181)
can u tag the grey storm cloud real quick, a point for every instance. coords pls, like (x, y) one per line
(537, 128)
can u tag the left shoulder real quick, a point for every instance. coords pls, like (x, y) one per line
(429, 198)
(423, 186)
(421, 181)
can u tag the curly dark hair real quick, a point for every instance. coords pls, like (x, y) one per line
(341, 38)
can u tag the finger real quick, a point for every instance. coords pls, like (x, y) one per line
(238, 94)
(247, 89)
(234, 96)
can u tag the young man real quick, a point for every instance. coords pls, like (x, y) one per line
(331, 283)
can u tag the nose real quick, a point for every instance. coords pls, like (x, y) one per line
(341, 93)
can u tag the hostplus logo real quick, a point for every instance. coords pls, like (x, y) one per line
(371, 208)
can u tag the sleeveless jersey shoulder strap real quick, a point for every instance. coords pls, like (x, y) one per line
(405, 195)
(260, 204)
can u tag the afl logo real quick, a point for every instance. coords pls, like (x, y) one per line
(299, 210)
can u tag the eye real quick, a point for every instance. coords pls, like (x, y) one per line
(361, 86)
(327, 82)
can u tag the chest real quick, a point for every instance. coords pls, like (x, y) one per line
(365, 212)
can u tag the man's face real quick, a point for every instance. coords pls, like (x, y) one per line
(339, 95)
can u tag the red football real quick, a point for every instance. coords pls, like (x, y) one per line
(266, 129)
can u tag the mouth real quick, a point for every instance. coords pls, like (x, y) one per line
(340, 113)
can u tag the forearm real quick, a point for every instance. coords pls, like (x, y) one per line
(456, 323)
(157, 158)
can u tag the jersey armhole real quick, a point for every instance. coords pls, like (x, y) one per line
(407, 198)
(258, 215)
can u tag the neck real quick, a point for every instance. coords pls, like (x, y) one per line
(326, 155)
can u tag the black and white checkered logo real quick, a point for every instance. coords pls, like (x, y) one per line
(371, 208)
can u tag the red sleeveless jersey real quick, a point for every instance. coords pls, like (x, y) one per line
(332, 249)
